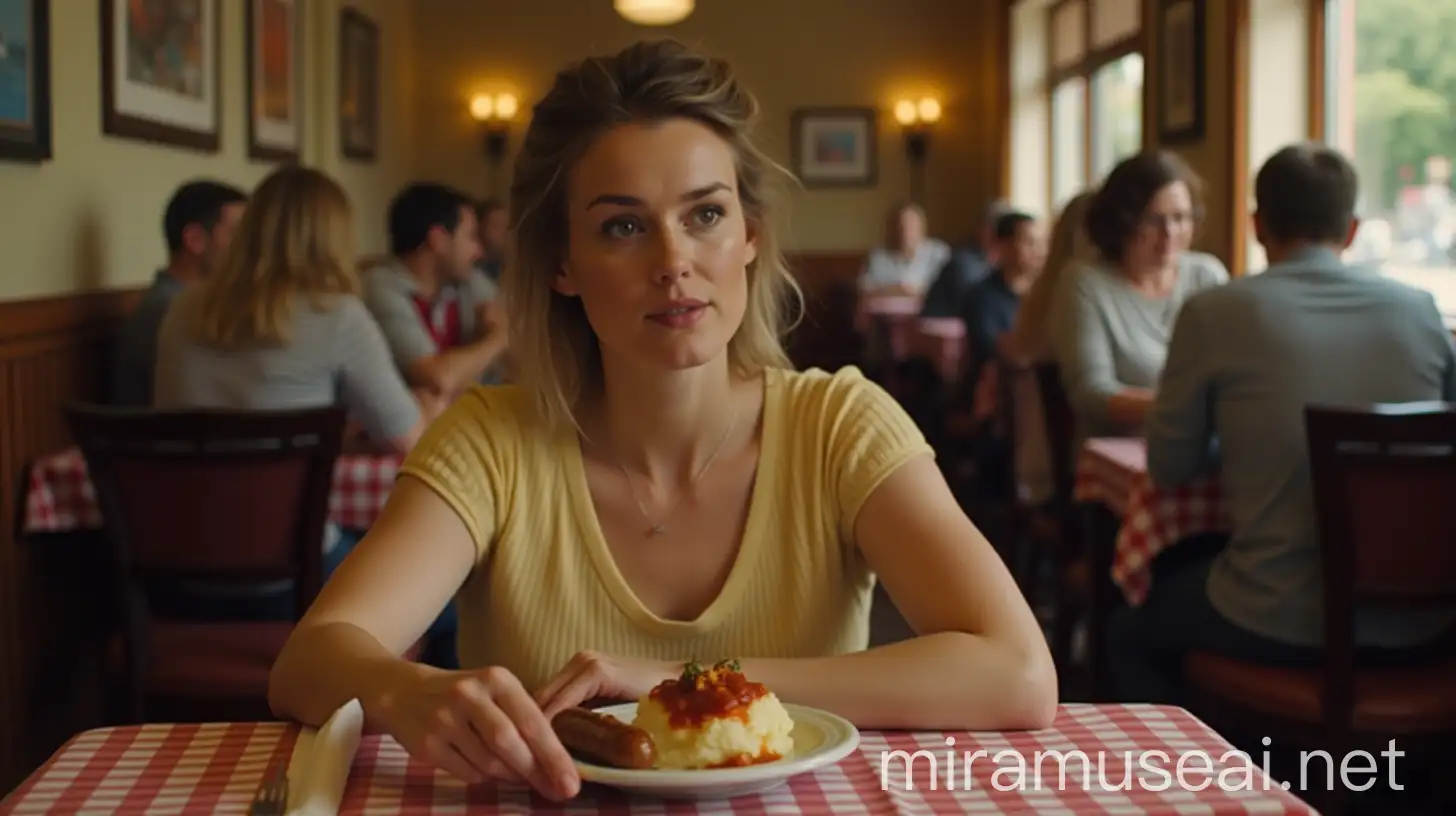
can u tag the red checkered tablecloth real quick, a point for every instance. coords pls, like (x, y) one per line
(216, 768)
(1114, 472)
(60, 498)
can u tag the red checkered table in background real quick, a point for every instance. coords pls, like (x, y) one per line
(1114, 472)
(60, 498)
(217, 768)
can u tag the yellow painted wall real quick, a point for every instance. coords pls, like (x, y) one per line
(91, 217)
(789, 53)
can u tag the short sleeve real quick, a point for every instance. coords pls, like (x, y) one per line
(868, 437)
(468, 457)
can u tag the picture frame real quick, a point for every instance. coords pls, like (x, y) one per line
(25, 80)
(160, 72)
(835, 146)
(274, 79)
(359, 58)
(1181, 69)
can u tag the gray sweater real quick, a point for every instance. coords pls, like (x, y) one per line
(1109, 337)
(1244, 362)
(335, 356)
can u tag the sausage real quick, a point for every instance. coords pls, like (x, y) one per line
(604, 739)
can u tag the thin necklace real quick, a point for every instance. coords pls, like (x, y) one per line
(655, 528)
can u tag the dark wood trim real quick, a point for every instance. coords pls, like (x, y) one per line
(52, 350)
(1004, 101)
(1238, 136)
(1319, 12)
(24, 320)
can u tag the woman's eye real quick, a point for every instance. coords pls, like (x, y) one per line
(621, 228)
(710, 215)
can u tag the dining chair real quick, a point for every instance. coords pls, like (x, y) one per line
(1383, 479)
(231, 499)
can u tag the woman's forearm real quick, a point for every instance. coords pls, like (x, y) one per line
(1129, 407)
(948, 680)
(325, 666)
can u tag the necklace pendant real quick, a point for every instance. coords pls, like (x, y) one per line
(657, 529)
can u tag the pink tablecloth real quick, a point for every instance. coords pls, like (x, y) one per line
(216, 769)
(60, 498)
(1115, 473)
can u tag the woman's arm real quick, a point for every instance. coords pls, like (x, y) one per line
(979, 661)
(378, 602)
(372, 388)
(1085, 357)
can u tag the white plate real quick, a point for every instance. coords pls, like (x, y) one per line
(820, 739)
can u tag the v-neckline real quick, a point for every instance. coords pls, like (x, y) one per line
(595, 539)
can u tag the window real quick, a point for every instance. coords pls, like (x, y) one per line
(1076, 95)
(1096, 80)
(1390, 104)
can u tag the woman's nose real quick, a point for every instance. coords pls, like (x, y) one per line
(673, 259)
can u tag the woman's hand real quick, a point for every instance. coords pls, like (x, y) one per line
(479, 725)
(592, 675)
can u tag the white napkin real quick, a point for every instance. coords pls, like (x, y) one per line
(319, 767)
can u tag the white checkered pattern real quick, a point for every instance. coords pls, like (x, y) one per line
(216, 768)
(60, 497)
(1114, 472)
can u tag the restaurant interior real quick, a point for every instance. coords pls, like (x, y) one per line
(926, 139)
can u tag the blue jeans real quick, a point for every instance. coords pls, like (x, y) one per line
(178, 603)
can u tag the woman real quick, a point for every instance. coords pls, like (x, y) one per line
(1030, 342)
(1114, 316)
(660, 486)
(909, 261)
(279, 325)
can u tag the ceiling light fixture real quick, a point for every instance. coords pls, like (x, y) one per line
(654, 12)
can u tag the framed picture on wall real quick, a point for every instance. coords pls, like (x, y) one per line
(1180, 67)
(159, 72)
(25, 80)
(274, 43)
(358, 85)
(835, 147)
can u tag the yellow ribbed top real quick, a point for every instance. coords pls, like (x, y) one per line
(545, 585)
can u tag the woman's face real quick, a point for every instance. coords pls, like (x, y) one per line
(658, 245)
(1165, 229)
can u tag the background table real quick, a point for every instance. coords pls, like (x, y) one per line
(1114, 472)
(216, 768)
(60, 498)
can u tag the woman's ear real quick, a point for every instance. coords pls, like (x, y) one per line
(750, 243)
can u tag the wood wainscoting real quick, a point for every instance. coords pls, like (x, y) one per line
(52, 350)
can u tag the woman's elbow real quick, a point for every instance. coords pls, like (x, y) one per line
(1036, 699)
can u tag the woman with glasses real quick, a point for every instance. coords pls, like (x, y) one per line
(1114, 315)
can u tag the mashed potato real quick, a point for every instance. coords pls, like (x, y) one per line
(713, 719)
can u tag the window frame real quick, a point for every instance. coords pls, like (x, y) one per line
(1092, 60)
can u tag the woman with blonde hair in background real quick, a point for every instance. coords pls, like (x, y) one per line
(1030, 342)
(279, 325)
(661, 485)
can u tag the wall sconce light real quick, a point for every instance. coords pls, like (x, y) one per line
(495, 112)
(917, 118)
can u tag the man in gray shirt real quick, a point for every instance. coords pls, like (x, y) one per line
(198, 225)
(1244, 362)
(441, 317)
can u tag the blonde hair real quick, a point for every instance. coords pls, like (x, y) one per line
(1070, 245)
(294, 238)
(558, 358)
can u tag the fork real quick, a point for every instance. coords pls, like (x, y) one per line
(272, 797)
